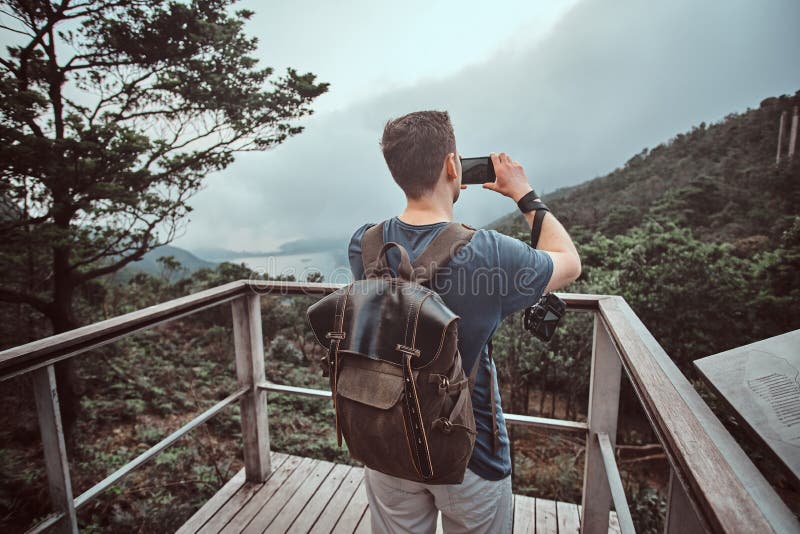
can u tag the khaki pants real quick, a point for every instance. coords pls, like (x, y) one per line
(476, 505)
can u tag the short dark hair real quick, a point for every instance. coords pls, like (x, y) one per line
(414, 147)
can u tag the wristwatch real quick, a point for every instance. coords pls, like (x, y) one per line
(529, 203)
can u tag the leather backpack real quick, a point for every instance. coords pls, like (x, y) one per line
(401, 397)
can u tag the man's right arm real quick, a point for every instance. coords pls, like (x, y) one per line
(354, 252)
(554, 240)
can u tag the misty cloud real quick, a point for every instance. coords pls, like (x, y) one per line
(609, 79)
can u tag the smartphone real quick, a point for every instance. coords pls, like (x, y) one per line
(477, 170)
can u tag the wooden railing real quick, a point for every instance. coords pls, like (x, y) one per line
(713, 485)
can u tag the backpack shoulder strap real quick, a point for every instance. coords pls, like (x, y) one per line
(441, 250)
(371, 245)
(473, 377)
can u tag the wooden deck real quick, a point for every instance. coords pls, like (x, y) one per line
(307, 495)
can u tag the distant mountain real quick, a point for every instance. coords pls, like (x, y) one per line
(299, 246)
(149, 263)
(218, 254)
(719, 179)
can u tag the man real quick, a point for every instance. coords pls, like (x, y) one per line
(420, 151)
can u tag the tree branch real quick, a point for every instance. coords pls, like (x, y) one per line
(91, 65)
(110, 249)
(15, 17)
(12, 296)
(30, 220)
(9, 28)
(127, 88)
(9, 65)
(137, 254)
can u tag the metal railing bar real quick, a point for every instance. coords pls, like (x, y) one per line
(46, 524)
(615, 484)
(525, 420)
(293, 390)
(101, 486)
(545, 422)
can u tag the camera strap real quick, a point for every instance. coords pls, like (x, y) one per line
(536, 227)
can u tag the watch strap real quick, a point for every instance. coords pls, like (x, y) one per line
(529, 203)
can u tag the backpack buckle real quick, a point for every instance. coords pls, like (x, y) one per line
(335, 335)
(444, 424)
(444, 385)
(411, 351)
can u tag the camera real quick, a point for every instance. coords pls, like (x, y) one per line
(542, 318)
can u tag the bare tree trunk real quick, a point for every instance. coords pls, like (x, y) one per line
(70, 385)
(570, 403)
(527, 398)
(542, 392)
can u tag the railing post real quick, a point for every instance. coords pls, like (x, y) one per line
(603, 410)
(55, 451)
(681, 517)
(249, 347)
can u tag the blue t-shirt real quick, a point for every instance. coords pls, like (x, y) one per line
(491, 277)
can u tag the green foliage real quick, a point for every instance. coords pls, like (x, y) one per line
(620, 218)
(284, 350)
(692, 205)
(111, 115)
(648, 508)
(778, 277)
(678, 286)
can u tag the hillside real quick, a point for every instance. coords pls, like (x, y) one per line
(149, 264)
(719, 179)
(299, 246)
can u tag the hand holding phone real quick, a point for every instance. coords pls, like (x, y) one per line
(511, 178)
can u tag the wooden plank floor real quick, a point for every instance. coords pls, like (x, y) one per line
(305, 495)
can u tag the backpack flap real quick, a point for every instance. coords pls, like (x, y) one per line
(321, 316)
(373, 383)
(382, 315)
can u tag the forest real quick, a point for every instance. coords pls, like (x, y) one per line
(701, 235)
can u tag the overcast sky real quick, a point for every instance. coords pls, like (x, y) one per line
(572, 89)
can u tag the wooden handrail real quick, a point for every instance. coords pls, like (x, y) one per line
(25, 358)
(721, 496)
(42, 352)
